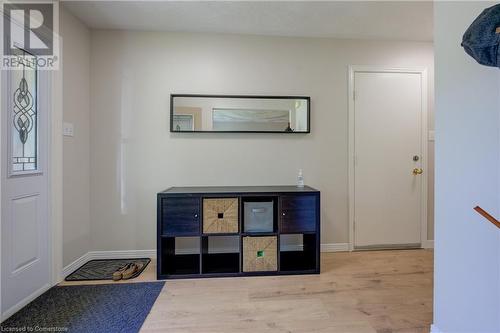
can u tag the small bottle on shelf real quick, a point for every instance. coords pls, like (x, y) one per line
(300, 179)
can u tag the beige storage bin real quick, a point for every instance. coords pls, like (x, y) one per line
(220, 215)
(260, 254)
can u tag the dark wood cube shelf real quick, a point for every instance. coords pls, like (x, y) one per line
(277, 214)
(176, 264)
(300, 260)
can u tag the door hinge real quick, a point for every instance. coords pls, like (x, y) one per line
(354, 95)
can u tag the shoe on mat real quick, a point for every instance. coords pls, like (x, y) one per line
(118, 275)
(139, 265)
(137, 272)
(130, 271)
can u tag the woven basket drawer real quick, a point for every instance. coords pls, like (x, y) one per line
(220, 215)
(260, 254)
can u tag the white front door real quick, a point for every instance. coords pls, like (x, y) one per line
(388, 158)
(25, 241)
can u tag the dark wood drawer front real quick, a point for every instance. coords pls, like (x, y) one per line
(298, 213)
(181, 216)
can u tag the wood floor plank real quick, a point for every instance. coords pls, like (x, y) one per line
(356, 292)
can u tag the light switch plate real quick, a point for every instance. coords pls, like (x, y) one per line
(68, 129)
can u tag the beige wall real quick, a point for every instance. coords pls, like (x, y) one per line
(76, 165)
(133, 155)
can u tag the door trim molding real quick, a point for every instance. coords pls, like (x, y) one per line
(2, 161)
(55, 172)
(424, 142)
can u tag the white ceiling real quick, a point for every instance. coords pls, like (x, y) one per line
(402, 20)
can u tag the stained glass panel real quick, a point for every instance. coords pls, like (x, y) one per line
(24, 132)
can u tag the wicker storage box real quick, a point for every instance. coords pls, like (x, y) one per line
(260, 254)
(220, 215)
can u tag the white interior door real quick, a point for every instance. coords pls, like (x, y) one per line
(25, 242)
(388, 156)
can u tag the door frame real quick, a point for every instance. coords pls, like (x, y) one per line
(424, 142)
(54, 169)
(54, 187)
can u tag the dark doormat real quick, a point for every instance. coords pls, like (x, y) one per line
(96, 308)
(103, 269)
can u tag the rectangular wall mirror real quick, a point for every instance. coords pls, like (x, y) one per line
(251, 114)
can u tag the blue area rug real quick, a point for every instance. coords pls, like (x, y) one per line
(96, 308)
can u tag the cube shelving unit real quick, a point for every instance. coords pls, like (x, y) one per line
(201, 231)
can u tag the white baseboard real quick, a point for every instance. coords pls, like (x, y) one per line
(93, 255)
(334, 247)
(122, 254)
(434, 329)
(67, 270)
(428, 244)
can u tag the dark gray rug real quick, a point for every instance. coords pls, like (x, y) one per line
(97, 308)
(103, 269)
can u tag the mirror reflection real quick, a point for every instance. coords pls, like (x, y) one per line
(200, 113)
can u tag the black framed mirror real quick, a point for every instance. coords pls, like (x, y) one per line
(239, 114)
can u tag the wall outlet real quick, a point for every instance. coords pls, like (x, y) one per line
(68, 129)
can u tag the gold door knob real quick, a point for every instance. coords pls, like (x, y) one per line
(417, 171)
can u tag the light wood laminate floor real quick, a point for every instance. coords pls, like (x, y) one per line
(375, 291)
